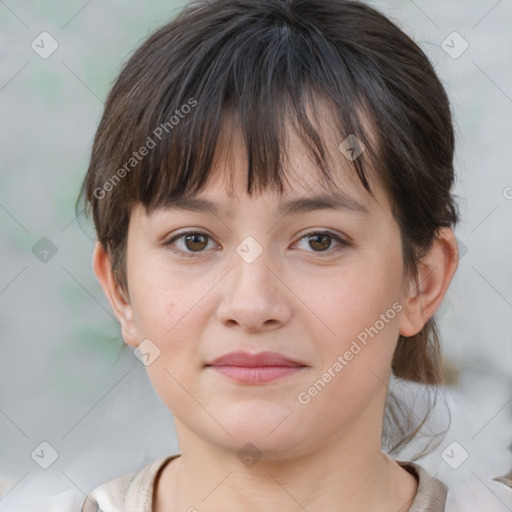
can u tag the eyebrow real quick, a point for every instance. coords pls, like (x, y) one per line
(331, 201)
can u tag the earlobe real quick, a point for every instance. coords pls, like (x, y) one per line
(114, 293)
(435, 273)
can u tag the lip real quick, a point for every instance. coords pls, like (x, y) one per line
(260, 359)
(257, 368)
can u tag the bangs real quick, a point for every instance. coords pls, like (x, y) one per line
(261, 79)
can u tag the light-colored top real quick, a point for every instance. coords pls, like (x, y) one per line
(134, 492)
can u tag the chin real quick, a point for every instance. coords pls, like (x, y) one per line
(271, 431)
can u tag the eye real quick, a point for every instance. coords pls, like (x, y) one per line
(195, 242)
(192, 242)
(321, 241)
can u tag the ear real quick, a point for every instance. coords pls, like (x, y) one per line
(115, 295)
(435, 272)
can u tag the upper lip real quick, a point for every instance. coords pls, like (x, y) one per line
(246, 359)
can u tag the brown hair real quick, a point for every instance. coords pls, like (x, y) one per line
(265, 61)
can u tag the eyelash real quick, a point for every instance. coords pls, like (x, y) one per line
(342, 243)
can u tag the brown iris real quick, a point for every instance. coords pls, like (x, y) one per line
(313, 239)
(191, 241)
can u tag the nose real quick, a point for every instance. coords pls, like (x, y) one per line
(255, 296)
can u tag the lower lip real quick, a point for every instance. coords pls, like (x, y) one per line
(257, 375)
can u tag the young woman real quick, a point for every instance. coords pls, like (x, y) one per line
(271, 189)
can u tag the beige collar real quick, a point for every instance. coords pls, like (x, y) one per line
(134, 492)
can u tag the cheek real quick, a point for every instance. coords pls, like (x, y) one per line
(358, 310)
(167, 311)
(164, 301)
(352, 298)
(356, 356)
(339, 397)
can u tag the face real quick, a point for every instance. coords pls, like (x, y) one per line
(321, 286)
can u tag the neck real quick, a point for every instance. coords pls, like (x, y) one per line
(340, 476)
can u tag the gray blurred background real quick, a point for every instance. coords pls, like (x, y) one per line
(65, 379)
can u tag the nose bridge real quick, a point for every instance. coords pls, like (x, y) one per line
(253, 268)
(254, 297)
